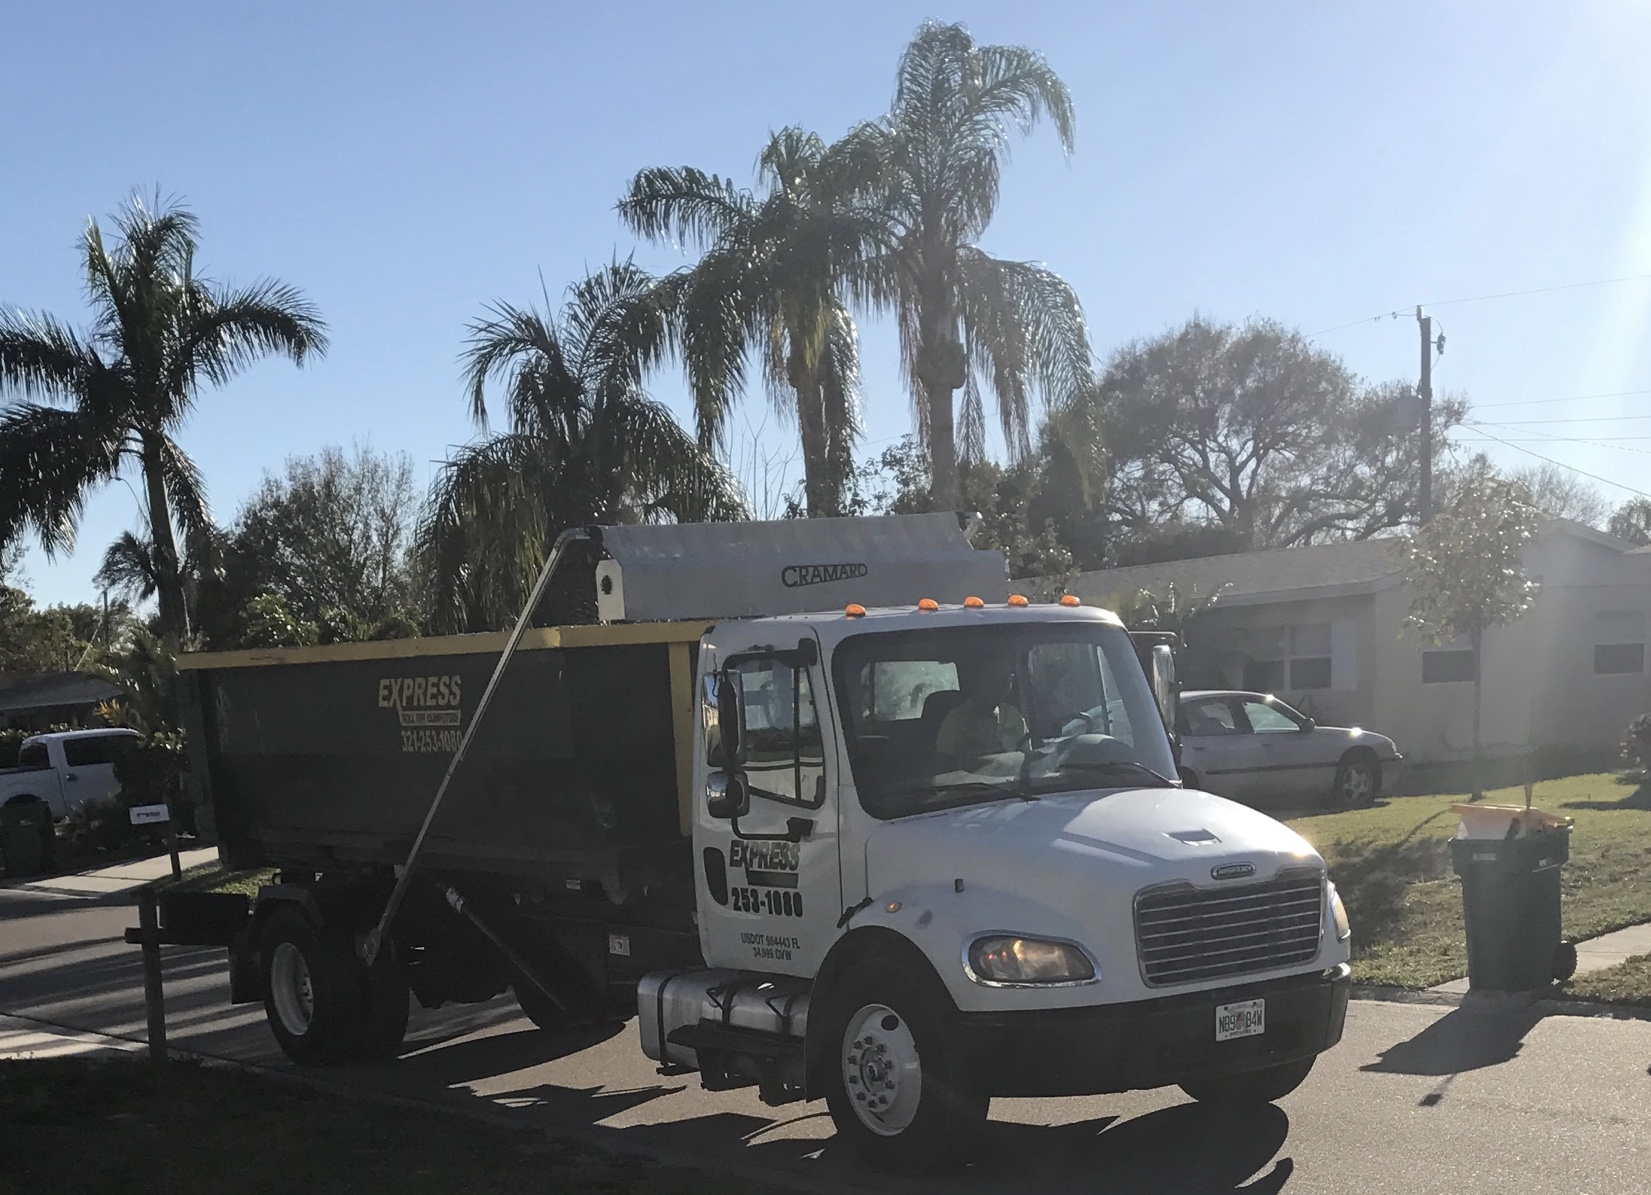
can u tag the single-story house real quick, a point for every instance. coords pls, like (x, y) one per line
(1323, 628)
(59, 698)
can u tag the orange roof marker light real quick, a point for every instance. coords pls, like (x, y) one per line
(973, 603)
(1071, 599)
(854, 610)
(928, 605)
(1018, 600)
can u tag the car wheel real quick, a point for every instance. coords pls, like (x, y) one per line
(313, 998)
(1262, 1086)
(898, 1089)
(1358, 780)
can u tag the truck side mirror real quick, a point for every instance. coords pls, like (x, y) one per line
(727, 797)
(1163, 684)
(731, 720)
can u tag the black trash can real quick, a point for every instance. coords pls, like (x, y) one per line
(1510, 904)
(24, 829)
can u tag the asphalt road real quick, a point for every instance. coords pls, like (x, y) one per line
(1417, 1100)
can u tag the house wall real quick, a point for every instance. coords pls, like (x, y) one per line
(1226, 637)
(1540, 690)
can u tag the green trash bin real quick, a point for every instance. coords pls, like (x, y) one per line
(24, 827)
(1510, 906)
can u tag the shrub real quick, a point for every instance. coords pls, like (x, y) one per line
(1636, 748)
(152, 773)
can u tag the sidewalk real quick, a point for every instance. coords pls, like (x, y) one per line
(112, 881)
(1595, 954)
(20, 1038)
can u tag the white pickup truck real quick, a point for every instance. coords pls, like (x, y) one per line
(66, 769)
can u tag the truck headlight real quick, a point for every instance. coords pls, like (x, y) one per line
(1339, 911)
(1003, 958)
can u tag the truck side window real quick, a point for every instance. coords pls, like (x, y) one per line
(94, 749)
(784, 752)
(33, 755)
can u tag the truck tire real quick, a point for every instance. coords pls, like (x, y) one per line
(538, 1007)
(1358, 780)
(314, 999)
(1263, 1086)
(898, 1090)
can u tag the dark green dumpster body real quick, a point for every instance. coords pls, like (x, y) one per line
(25, 827)
(1510, 903)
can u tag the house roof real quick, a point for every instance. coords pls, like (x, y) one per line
(55, 691)
(1287, 574)
(1318, 570)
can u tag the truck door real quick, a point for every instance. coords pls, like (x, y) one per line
(769, 886)
(89, 766)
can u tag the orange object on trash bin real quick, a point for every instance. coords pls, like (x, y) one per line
(1504, 821)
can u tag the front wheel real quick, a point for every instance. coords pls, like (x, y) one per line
(898, 1089)
(539, 1008)
(1262, 1086)
(1358, 779)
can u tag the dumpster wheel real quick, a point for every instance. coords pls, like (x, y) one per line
(1564, 961)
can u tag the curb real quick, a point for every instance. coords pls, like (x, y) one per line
(1493, 1002)
(609, 1141)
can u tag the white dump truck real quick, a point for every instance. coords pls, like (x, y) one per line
(820, 803)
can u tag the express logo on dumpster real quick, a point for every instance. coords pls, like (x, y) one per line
(428, 710)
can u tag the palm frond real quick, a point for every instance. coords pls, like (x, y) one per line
(224, 331)
(128, 569)
(1024, 328)
(49, 459)
(41, 358)
(185, 492)
(680, 204)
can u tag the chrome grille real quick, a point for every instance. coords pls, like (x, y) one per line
(1185, 934)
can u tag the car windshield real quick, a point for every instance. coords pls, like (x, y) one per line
(963, 715)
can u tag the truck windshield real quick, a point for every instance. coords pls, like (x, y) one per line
(962, 715)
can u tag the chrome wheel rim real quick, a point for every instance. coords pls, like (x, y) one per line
(291, 989)
(881, 1070)
(1358, 784)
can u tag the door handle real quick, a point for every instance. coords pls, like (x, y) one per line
(70, 776)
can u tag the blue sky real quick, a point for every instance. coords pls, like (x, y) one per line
(407, 163)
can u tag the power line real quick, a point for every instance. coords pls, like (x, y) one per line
(1549, 439)
(1506, 294)
(1516, 423)
(1532, 402)
(1562, 465)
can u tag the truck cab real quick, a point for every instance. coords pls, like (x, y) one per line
(941, 849)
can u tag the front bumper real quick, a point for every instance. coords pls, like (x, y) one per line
(1151, 1043)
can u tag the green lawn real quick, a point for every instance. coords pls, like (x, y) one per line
(122, 1125)
(1391, 864)
(211, 877)
(1626, 983)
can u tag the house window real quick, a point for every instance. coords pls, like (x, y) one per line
(1294, 658)
(1447, 665)
(1619, 642)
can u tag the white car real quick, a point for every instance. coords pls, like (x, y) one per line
(1250, 746)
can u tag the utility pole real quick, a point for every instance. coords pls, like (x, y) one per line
(1424, 391)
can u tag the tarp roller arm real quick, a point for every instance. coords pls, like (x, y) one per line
(375, 940)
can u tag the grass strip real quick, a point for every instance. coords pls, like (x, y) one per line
(1391, 863)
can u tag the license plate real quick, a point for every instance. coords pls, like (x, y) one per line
(1247, 1018)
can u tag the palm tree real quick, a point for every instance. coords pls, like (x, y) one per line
(770, 283)
(967, 320)
(585, 444)
(123, 388)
